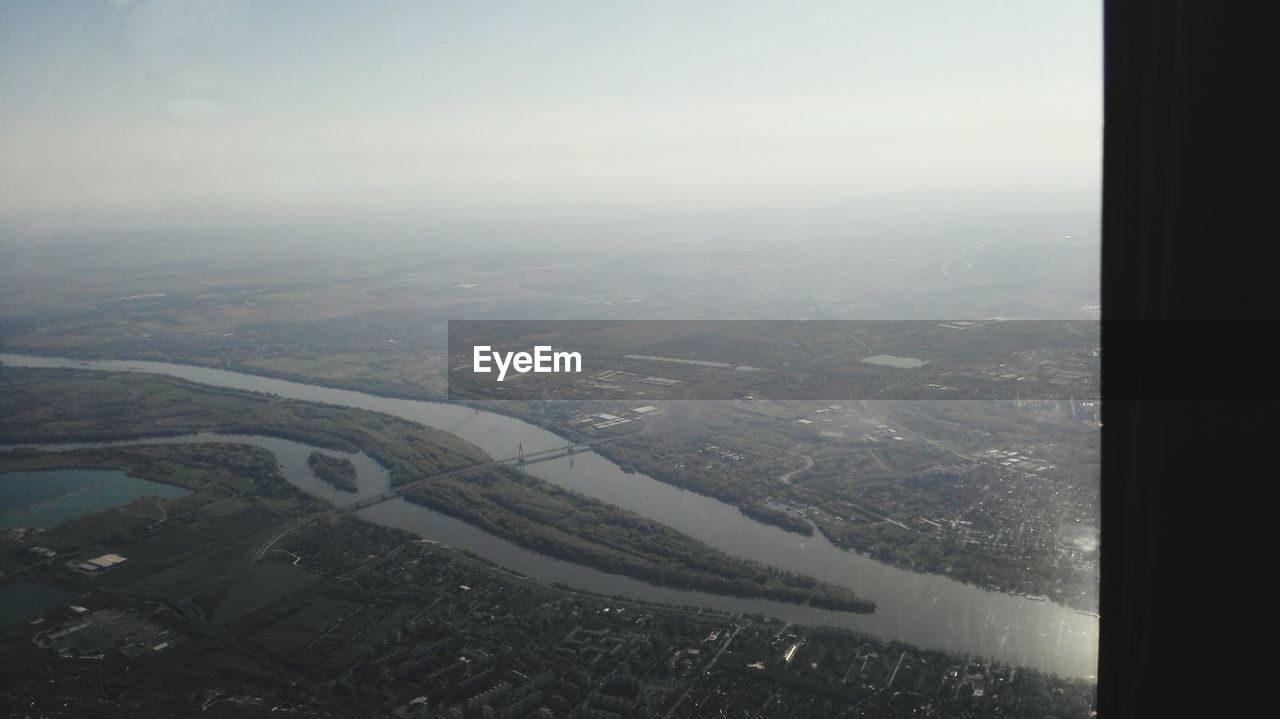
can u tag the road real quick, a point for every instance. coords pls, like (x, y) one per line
(705, 670)
(808, 465)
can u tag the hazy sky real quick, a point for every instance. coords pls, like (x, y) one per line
(158, 113)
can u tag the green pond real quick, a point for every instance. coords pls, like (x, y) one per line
(49, 498)
(23, 601)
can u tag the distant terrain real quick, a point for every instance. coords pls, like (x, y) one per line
(367, 309)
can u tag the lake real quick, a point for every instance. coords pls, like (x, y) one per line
(895, 361)
(48, 498)
(21, 602)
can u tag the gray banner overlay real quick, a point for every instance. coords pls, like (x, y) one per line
(640, 360)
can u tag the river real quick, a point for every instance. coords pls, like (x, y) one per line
(927, 610)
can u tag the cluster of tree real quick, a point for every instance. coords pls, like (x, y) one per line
(338, 471)
(569, 526)
(777, 518)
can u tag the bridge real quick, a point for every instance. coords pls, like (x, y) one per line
(523, 458)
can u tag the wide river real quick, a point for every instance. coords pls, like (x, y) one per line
(927, 610)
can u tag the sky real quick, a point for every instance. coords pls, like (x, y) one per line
(142, 114)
